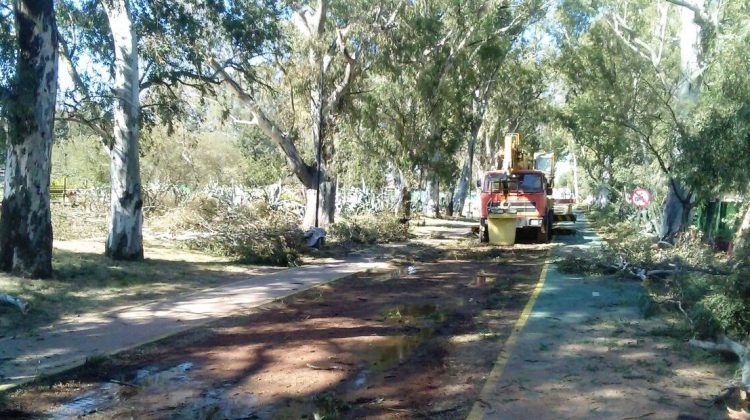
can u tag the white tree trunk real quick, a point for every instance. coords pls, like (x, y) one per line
(726, 344)
(691, 56)
(575, 176)
(464, 182)
(25, 223)
(431, 203)
(125, 239)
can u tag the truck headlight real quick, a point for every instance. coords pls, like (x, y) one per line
(535, 222)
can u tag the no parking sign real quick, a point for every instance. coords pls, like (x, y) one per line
(640, 197)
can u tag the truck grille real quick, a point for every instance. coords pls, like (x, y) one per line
(523, 206)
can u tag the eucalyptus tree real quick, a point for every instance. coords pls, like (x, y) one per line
(129, 61)
(110, 105)
(611, 107)
(437, 78)
(28, 103)
(699, 22)
(325, 50)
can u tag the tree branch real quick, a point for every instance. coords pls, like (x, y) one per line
(21, 304)
(269, 128)
(67, 59)
(105, 135)
(726, 344)
(700, 18)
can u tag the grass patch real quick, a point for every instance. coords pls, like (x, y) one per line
(87, 281)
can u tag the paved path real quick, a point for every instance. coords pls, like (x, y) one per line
(566, 359)
(71, 341)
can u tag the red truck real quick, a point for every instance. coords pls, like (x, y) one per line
(523, 192)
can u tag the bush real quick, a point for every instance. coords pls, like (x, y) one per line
(369, 229)
(255, 234)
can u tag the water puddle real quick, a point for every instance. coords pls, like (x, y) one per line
(393, 350)
(219, 403)
(388, 353)
(153, 390)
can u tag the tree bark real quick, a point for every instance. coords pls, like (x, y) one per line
(125, 239)
(25, 221)
(431, 203)
(327, 208)
(728, 345)
(742, 235)
(676, 211)
(464, 181)
(575, 175)
(692, 61)
(403, 209)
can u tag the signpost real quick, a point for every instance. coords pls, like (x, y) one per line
(640, 197)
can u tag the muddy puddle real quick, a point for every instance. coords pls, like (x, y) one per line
(388, 353)
(152, 391)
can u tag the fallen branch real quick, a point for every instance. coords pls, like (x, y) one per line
(726, 344)
(21, 304)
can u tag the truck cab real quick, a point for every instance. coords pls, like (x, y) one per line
(523, 192)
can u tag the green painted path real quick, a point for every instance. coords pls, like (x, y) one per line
(582, 353)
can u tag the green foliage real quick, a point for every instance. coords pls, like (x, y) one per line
(625, 242)
(255, 234)
(718, 304)
(579, 265)
(369, 229)
(82, 160)
(714, 295)
(265, 163)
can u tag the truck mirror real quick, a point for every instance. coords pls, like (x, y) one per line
(479, 183)
(549, 190)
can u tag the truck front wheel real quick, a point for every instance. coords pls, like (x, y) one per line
(484, 233)
(544, 233)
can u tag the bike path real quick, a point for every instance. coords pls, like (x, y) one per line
(69, 343)
(564, 358)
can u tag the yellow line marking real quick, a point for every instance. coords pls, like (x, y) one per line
(478, 410)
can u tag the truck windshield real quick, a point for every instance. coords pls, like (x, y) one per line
(528, 183)
(495, 183)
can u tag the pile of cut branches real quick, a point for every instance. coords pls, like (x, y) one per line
(255, 233)
(369, 229)
(708, 290)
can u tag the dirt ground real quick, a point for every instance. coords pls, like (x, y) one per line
(416, 342)
(380, 345)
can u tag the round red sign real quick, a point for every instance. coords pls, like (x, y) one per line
(641, 197)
